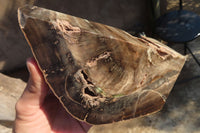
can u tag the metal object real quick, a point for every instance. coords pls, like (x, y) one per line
(179, 26)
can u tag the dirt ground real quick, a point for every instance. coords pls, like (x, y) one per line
(191, 5)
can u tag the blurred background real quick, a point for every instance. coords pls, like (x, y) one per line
(181, 113)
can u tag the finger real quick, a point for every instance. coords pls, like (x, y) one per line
(36, 88)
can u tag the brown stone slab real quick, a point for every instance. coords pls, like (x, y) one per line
(99, 73)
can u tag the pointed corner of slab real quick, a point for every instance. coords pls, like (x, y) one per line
(23, 13)
(21, 18)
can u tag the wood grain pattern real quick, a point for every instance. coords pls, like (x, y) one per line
(99, 73)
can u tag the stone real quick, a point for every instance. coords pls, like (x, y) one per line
(180, 114)
(14, 51)
(10, 90)
(6, 126)
(99, 73)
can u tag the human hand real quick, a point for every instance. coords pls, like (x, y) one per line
(39, 111)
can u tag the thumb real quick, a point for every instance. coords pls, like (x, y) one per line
(36, 89)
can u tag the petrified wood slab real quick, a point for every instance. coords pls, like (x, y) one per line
(99, 73)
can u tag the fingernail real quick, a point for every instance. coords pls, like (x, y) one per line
(28, 64)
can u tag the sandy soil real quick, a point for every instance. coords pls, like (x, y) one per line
(191, 5)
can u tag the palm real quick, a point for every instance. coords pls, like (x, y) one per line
(38, 111)
(59, 120)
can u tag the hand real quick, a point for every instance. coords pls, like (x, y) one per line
(39, 111)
